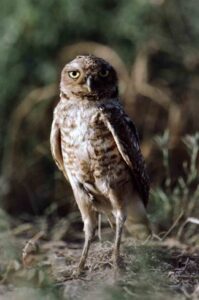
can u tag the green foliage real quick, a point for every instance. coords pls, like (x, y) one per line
(180, 197)
(34, 32)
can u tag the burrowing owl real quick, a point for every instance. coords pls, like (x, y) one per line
(96, 146)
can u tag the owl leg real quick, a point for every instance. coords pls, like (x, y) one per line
(119, 211)
(120, 219)
(89, 218)
(89, 229)
(111, 221)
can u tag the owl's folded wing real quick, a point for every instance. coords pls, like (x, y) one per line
(55, 145)
(126, 138)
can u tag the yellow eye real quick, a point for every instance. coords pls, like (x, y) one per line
(104, 73)
(74, 74)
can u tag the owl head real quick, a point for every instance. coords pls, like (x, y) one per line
(89, 77)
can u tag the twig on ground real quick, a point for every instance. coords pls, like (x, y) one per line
(188, 220)
(30, 247)
(173, 225)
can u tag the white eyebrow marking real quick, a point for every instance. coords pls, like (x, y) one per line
(74, 65)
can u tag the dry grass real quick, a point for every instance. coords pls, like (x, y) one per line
(153, 270)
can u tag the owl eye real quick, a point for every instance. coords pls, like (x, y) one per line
(74, 74)
(104, 73)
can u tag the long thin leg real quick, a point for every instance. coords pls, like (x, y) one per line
(89, 228)
(100, 227)
(120, 219)
(111, 221)
(89, 218)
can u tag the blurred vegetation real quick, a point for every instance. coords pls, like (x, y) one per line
(154, 46)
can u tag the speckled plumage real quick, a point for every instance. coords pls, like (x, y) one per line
(96, 146)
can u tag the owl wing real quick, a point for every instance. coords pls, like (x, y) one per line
(126, 138)
(55, 144)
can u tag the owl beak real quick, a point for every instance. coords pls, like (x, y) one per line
(89, 83)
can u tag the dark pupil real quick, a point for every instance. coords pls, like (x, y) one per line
(74, 73)
(103, 72)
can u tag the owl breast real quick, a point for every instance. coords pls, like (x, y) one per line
(89, 151)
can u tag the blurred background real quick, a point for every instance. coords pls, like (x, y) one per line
(153, 44)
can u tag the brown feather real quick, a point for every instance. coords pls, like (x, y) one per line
(55, 143)
(126, 137)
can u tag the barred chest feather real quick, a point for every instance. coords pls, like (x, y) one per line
(89, 151)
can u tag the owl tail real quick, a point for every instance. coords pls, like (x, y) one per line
(137, 223)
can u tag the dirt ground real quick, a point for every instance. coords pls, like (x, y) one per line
(41, 269)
